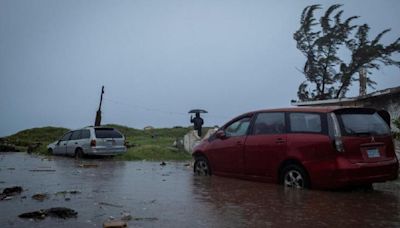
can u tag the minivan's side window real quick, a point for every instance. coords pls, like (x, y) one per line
(66, 136)
(76, 135)
(85, 134)
(269, 123)
(305, 122)
(238, 128)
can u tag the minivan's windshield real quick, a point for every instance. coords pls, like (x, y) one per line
(107, 133)
(363, 124)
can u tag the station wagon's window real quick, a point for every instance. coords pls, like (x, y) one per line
(66, 136)
(269, 123)
(107, 133)
(238, 128)
(85, 134)
(305, 122)
(76, 135)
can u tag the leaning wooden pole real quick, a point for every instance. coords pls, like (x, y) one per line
(97, 122)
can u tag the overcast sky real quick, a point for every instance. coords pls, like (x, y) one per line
(157, 59)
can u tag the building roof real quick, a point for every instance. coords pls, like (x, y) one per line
(378, 93)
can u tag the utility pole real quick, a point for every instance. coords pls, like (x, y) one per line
(98, 114)
(363, 81)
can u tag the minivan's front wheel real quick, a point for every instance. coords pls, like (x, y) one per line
(78, 153)
(294, 176)
(201, 167)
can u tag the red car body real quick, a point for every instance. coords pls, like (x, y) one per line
(335, 146)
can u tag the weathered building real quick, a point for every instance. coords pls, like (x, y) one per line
(387, 99)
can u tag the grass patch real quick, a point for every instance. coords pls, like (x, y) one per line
(154, 144)
(154, 153)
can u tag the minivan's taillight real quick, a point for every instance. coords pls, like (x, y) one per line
(339, 144)
(336, 133)
(93, 143)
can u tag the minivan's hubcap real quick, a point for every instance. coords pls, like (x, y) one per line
(202, 168)
(294, 179)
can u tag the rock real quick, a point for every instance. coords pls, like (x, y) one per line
(58, 212)
(61, 212)
(40, 214)
(115, 224)
(40, 196)
(12, 190)
(163, 164)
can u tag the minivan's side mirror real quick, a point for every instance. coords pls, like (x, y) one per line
(220, 134)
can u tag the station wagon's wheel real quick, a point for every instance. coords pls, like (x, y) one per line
(201, 167)
(79, 153)
(294, 176)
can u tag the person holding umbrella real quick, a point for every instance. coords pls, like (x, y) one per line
(197, 120)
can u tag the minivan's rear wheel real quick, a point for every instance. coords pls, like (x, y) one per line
(294, 176)
(201, 167)
(79, 153)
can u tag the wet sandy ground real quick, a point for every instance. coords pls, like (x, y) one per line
(170, 196)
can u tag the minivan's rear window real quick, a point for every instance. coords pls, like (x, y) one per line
(106, 133)
(363, 124)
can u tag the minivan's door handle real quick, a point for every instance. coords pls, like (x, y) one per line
(280, 141)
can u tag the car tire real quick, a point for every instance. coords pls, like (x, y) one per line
(294, 176)
(79, 153)
(201, 166)
(50, 151)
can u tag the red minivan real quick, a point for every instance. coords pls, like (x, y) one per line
(324, 148)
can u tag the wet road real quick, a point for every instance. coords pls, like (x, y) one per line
(170, 196)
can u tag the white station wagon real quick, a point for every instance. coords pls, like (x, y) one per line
(89, 141)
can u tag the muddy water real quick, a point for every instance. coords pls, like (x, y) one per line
(170, 196)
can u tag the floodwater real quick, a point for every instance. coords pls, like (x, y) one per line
(170, 196)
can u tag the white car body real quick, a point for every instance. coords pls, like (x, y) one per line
(89, 141)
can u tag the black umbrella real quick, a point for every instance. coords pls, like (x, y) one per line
(198, 111)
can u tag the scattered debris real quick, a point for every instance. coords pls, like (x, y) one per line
(11, 168)
(73, 192)
(7, 198)
(125, 216)
(6, 147)
(40, 196)
(145, 219)
(67, 199)
(42, 170)
(163, 164)
(110, 204)
(114, 224)
(58, 212)
(32, 147)
(88, 165)
(187, 164)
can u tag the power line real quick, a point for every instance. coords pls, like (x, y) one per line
(148, 109)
